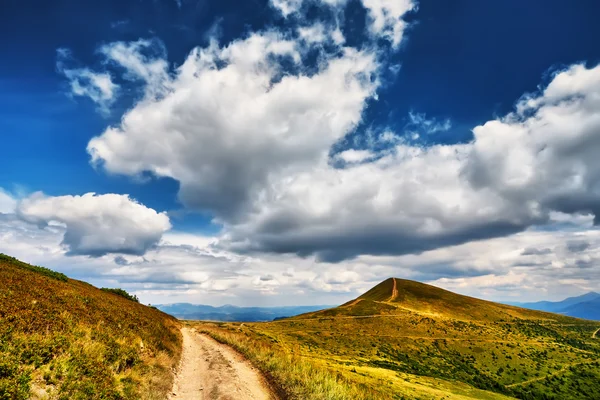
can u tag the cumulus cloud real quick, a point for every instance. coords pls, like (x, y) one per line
(544, 153)
(519, 171)
(95, 225)
(247, 129)
(411, 200)
(233, 120)
(98, 86)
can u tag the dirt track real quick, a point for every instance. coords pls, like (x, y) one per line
(212, 371)
(394, 291)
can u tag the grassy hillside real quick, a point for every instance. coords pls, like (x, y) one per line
(62, 338)
(408, 340)
(400, 295)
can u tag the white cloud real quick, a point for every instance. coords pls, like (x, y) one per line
(97, 224)
(192, 271)
(7, 202)
(313, 34)
(233, 121)
(287, 7)
(98, 86)
(519, 171)
(545, 153)
(411, 200)
(354, 156)
(249, 141)
(142, 60)
(420, 122)
(385, 17)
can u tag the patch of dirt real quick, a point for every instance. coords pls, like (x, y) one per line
(213, 371)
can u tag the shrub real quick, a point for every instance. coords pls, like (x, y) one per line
(122, 293)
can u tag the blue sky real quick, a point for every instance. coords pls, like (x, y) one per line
(279, 188)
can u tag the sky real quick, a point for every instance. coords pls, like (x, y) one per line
(297, 152)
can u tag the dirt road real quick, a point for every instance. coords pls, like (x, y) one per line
(394, 291)
(595, 334)
(212, 371)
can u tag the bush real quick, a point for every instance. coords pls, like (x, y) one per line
(122, 293)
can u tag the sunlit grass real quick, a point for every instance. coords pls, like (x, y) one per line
(455, 347)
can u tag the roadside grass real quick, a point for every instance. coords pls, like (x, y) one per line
(69, 340)
(292, 376)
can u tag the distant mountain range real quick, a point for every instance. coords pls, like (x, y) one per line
(586, 306)
(231, 313)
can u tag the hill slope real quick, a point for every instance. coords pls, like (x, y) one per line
(405, 339)
(400, 295)
(66, 339)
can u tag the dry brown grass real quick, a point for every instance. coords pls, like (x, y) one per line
(69, 340)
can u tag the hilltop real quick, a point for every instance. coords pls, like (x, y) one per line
(63, 338)
(408, 340)
(395, 295)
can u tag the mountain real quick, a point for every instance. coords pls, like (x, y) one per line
(66, 339)
(586, 309)
(408, 340)
(556, 306)
(230, 313)
(573, 306)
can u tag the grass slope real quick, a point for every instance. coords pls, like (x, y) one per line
(62, 338)
(407, 340)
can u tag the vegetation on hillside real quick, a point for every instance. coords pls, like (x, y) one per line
(66, 339)
(422, 342)
(122, 293)
(5, 259)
